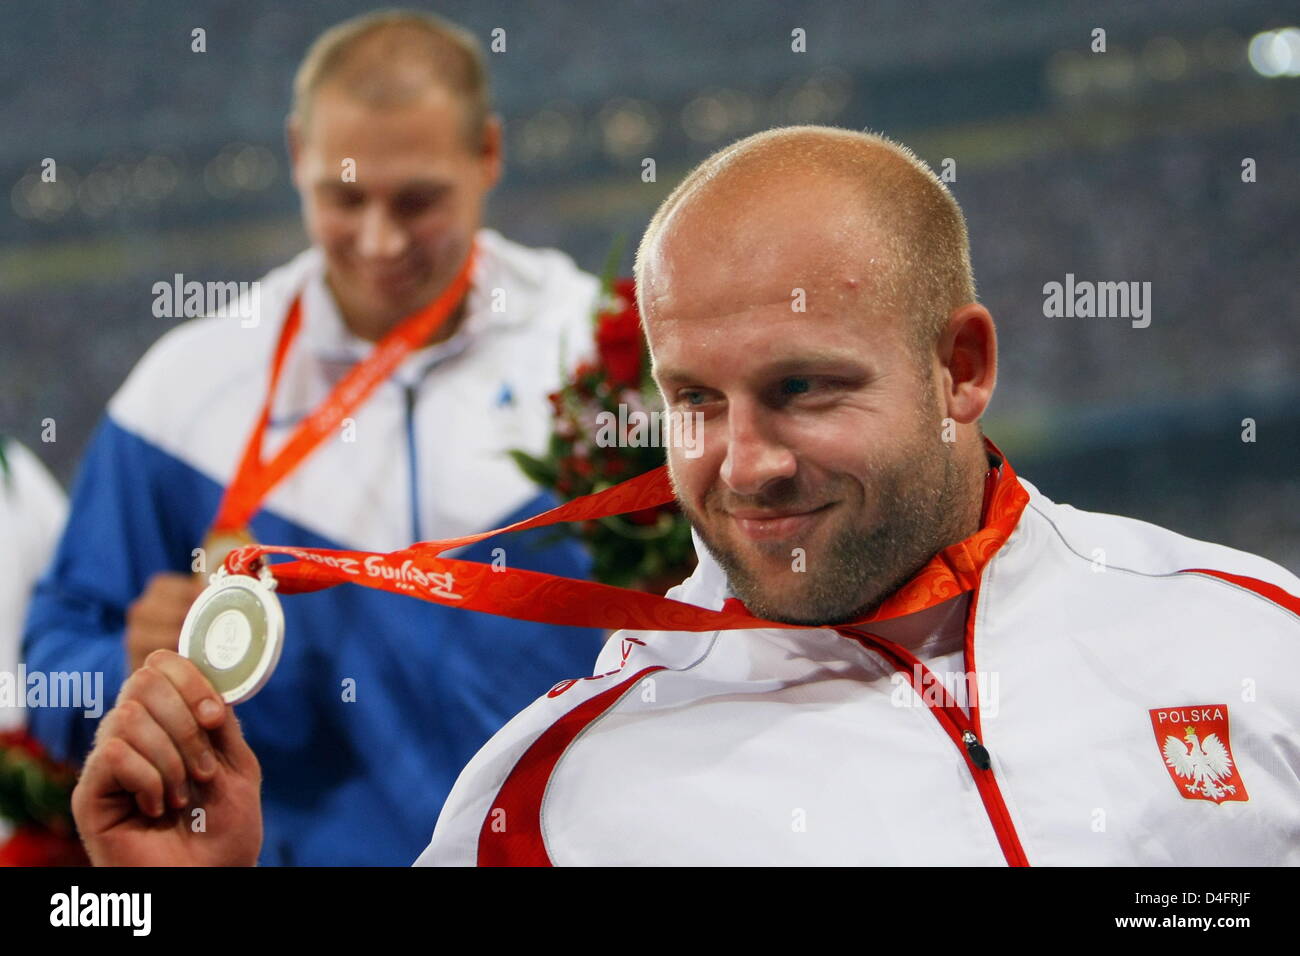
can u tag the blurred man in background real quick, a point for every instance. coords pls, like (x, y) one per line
(378, 701)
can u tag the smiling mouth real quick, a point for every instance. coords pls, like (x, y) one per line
(776, 525)
(391, 276)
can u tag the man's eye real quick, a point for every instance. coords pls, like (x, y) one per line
(795, 386)
(691, 397)
(414, 204)
(347, 200)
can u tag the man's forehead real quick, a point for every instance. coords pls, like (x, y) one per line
(762, 244)
(841, 327)
(433, 113)
(731, 285)
(416, 145)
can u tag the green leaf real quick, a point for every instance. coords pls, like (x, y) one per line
(538, 471)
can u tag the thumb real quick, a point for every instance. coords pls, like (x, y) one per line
(229, 743)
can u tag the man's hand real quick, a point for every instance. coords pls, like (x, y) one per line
(153, 621)
(170, 747)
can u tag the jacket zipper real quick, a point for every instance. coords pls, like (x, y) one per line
(413, 469)
(961, 730)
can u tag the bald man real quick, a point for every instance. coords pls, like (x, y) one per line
(964, 684)
(379, 701)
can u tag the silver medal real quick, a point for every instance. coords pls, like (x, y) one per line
(234, 632)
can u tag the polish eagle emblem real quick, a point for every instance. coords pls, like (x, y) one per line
(1195, 744)
(1205, 763)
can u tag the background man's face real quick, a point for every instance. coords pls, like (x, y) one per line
(821, 433)
(394, 238)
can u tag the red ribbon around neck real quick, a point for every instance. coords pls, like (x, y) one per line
(420, 572)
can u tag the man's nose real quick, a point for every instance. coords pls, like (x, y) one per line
(380, 237)
(755, 457)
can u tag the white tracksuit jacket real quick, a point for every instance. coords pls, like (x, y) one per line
(1122, 684)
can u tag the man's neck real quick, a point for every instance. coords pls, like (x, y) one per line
(372, 326)
(988, 463)
(969, 515)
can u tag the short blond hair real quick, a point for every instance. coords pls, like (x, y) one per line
(923, 228)
(387, 57)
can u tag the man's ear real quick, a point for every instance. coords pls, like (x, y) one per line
(968, 354)
(492, 150)
(293, 143)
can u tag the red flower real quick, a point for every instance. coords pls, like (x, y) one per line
(576, 464)
(586, 378)
(618, 336)
(24, 741)
(36, 846)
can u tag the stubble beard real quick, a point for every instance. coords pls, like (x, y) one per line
(922, 501)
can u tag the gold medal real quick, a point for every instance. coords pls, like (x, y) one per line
(234, 632)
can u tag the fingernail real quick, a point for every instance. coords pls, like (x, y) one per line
(207, 763)
(209, 710)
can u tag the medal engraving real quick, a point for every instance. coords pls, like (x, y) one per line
(228, 638)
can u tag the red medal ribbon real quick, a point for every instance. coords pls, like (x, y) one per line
(550, 599)
(254, 479)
